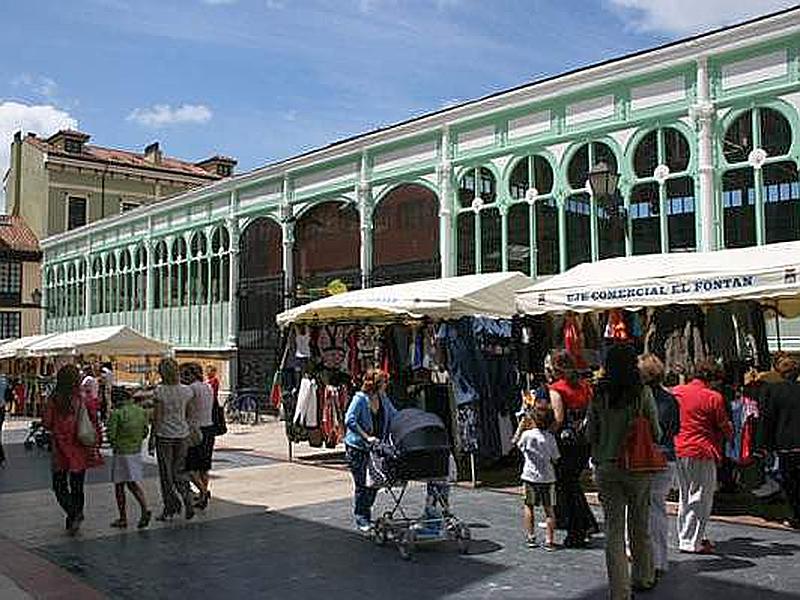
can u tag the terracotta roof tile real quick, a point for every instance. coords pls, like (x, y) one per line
(16, 235)
(126, 159)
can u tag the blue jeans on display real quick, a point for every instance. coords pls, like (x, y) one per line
(363, 497)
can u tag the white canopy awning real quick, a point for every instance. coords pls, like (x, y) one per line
(490, 295)
(115, 340)
(18, 347)
(770, 274)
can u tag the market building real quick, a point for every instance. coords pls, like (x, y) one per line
(703, 133)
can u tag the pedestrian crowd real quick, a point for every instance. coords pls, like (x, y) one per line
(642, 440)
(180, 428)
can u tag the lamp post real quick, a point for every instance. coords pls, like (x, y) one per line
(603, 182)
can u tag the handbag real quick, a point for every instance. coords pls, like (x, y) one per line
(218, 417)
(195, 436)
(639, 451)
(87, 434)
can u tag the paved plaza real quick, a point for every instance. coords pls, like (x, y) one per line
(282, 530)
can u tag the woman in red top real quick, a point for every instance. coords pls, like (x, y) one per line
(574, 394)
(698, 446)
(70, 457)
(213, 381)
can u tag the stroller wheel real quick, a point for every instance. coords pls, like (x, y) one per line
(464, 538)
(379, 534)
(406, 545)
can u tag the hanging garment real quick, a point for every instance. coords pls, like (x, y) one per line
(615, 327)
(333, 346)
(573, 340)
(465, 363)
(467, 420)
(302, 345)
(506, 429)
(305, 413)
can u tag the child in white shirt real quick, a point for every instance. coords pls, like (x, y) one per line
(539, 448)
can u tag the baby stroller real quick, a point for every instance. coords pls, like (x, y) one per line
(38, 437)
(418, 450)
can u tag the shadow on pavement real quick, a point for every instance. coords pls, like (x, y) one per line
(265, 555)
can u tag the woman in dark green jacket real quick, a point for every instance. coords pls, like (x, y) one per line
(619, 396)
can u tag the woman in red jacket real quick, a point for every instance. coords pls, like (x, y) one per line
(70, 457)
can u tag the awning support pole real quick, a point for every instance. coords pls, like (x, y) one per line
(778, 328)
(473, 470)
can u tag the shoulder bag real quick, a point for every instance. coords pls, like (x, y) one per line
(87, 434)
(639, 451)
(218, 416)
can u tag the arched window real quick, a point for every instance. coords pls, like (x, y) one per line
(220, 265)
(81, 287)
(760, 188)
(662, 203)
(479, 223)
(198, 269)
(593, 231)
(125, 281)
(98, 286)
(533, 218)
(111, 284)
(72, 290)
(161, 275)
(49, 286)
(140, 278)
(61, 300)
(179, 284)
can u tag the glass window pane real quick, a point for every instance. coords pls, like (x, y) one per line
(676, 150)
(681, 214)
(491, 241)
(603, 153)
(519, 246)
(645, 222)
(739, 214)
(578, 168)
(518, 182)
(547, 237)
(466, 243)
(776, 132)
(738, 141)
(578, 212)
(542, 175)
(782, 212)
(645, 157)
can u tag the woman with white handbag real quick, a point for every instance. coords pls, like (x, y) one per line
(76, 438)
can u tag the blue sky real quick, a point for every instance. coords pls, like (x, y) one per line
(261, 80)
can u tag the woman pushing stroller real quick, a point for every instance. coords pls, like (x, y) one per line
(368, 421)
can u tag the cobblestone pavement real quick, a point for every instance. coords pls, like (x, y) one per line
(279, 530)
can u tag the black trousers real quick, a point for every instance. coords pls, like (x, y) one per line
(790, 475)
(68, 488)
(572, 510)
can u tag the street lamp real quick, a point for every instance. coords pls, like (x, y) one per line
(36, 297)
(603, 181)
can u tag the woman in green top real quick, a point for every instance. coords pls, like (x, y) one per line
(127, 428)
(620, 395)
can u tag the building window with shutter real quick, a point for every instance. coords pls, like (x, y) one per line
(76, 212)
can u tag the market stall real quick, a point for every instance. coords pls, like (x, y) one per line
(445, 343)
(682, 307)
(31, 362)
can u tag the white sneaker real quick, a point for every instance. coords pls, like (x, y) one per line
(769, 488)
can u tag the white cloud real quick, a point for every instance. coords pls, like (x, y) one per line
(162, 115)
(43, 120)
(38, 84)
(692, 16)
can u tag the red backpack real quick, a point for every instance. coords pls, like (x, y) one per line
(639, 453)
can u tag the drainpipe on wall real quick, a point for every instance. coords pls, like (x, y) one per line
(17, 172)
